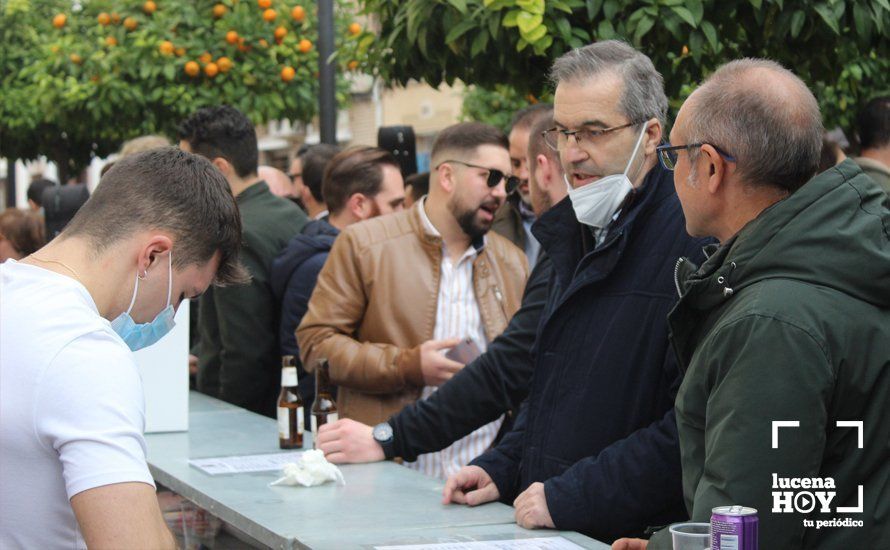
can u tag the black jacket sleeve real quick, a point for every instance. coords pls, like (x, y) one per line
(496, 382)
(502, 462)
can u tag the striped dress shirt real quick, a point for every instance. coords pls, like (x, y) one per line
(457, 316)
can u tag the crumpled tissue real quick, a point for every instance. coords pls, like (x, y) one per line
(311, 469)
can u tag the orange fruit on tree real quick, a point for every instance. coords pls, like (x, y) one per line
(192, 68)
(166, 47)
(110, 41)
(149, 7)
(115, 18)
(353, 65)
(269, 15)
(219, 10)
(54, 49)
(280, 33)
(287, 74)
(211, 70)
(59, 20)
(224, 64)
(76, 59)
(264, 4)
(685, 50)
(298, 14)
(130, 24)
(103, 19)
(305, 46)
(179, 52)
(263, 42)
(232, 37)
(354, 29)
(205, 58)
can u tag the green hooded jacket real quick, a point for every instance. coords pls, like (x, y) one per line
(790, 321)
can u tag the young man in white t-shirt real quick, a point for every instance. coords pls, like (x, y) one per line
(72, 454)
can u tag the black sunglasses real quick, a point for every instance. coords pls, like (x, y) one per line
(495, 176)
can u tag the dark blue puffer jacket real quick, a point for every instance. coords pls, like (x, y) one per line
(293, 277)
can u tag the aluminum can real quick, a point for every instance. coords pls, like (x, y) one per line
(733, 528)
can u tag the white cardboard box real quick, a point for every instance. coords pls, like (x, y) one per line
(164, 370)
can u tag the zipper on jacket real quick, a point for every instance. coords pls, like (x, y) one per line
(677, 276)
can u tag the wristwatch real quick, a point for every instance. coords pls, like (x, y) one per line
(383, 436)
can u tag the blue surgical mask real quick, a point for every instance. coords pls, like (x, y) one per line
(140, 335)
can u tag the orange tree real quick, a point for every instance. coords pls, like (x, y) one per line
(841, 48)
(76, 79)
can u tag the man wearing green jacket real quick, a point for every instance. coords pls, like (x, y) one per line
(788, 320)
(238, 357)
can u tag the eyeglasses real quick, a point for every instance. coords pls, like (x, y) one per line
(667, 154)
(495, 176)
(557, 137)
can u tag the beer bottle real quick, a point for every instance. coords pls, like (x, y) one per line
(290, 407)
(324, 408)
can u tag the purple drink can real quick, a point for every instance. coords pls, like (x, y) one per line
(733, 528)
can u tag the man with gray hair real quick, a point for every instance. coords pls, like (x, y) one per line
(595, 448)
(788, 319)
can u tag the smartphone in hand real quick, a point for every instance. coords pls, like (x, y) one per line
(464, 352)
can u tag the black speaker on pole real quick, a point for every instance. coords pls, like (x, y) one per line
(60, 204)
(399, 140)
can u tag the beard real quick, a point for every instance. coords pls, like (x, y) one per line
(469, 218)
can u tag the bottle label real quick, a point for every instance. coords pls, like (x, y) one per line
(330, 418)
(288, 377)
(284, 423)
(300, 422)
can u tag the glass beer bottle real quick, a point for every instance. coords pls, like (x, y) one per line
(324, 408)
(290, 407)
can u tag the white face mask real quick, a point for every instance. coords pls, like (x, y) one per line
(597, 202)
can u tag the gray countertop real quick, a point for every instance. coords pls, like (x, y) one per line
(381, 503)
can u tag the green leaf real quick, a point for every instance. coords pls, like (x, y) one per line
(562, 6)
(672, 24)
(459, 30)
(532, 6)
(610, 8)
(459, 5)
(797, 21)
(884, 3)
(593, 8)
(685, 14)
(757, 4)
(537, 34)
(696, 42)
(643, 27)
(479, 44)
(827, 15)
(521, 45)
(697, 9)
(711, 34)
(511, 18)
(605, 30)
(564, 28)
(527, 22)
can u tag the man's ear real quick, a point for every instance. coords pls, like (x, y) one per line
(446, 177)
(151, 252)
(223, 166)
(543, 166)
(653, 137)
(715, 167)
(357, 204)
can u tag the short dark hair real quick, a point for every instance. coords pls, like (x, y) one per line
(420, 185)
(223, 131)
(527, 116)
(36, 189)
(171, 190)
(873, 123)
(355, 170)
(24, 230)
(315, 159)
(467, 136)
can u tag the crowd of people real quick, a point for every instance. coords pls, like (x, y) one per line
(593, 318)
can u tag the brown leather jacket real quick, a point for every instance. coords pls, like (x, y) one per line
(375, 303)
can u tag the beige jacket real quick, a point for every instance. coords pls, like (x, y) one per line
(375, 303)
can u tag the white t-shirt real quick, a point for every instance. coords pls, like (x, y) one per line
(72, 411)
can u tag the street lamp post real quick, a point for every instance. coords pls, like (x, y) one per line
(327, 102)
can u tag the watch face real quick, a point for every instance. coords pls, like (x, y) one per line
(383, 432)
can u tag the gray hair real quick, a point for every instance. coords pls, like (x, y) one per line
(643, 97)
(774, 130)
